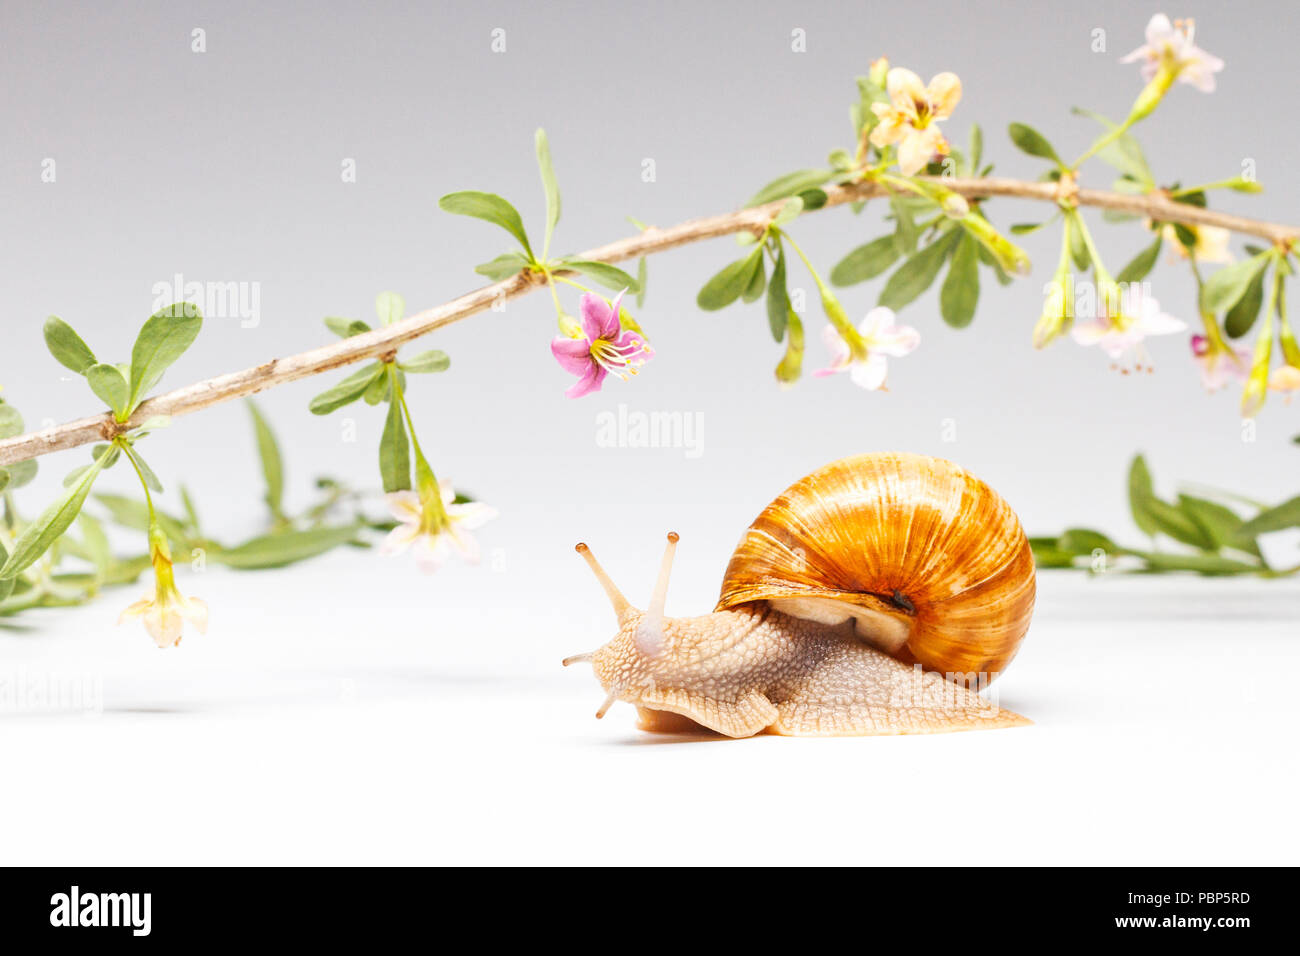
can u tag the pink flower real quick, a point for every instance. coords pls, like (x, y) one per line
(1170, 44)
(1220, 365)
(1138, 318)
(866, 360)
(603, 346)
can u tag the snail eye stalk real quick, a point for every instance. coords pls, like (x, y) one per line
(650, 633)
(620, 604)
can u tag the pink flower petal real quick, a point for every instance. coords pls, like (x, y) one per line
(599, 321)
(589, 383)
(399, 539)
(574, 355)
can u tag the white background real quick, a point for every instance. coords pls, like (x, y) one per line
(353, 710)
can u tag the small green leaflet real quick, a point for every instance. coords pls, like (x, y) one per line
(730, 283)
(390, 307)
(1034, 143)
(778, 297)
(395, 451)
(791, 184)
(551, 187)
(66, 346)
(54, 520)
(110, 386)
(611, 277)
(346, 391)
(918, 273)
(1142, 264)
(961, 288)
(503, 266)
(345, 328)
(163, 339)
(490, 208)
(284, 548)
(432, 361)
(1225, 287)
(866, 261)
(268, 452)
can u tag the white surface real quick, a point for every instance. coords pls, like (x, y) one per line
(315, 725)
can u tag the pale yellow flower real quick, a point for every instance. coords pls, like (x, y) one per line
(433, 526)
(1211, 243)
(910, 117)
(165, 615)
(1285, 378)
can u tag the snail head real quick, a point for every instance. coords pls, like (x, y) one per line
(628, 661)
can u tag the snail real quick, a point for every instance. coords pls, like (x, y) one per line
(877, 595)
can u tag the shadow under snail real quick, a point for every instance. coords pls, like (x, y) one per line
(877, 595)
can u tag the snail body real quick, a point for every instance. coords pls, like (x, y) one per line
(877, 595)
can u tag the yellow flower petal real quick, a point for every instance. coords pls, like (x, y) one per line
(944, 92)
(905, 90)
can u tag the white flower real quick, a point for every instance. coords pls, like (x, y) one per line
(867, 363)
(1171, 44)
(433, 528)
(165, 615)
(1139, 318)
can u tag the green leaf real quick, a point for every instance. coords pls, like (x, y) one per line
(1277, 518)
(284, 548)
(1033, 142)
(757, 282)
(1142, 263)
(791, 184)
(390, 307)
(4, 483)
(1079, 248)
(788, 212)
(549, 184)
(1123, 153)
(960, 292)
(67, 346)
(640, 281)
(268, 452)
(54, 520)
(1208, 564)
(1084, 541)
(1177, 524)
(95, 542)
(11, 421)
(346, 328)
(729, 284)
(975, 151)
(150, 478)
(395, 451)
(866, 261)
(346, 391)
(1241, 317)
(918, 273)
(906, 234)
(378, 390)
(1226, 287)
(778, 297)
(490, 208)
(432, 361)
(21, 473)
(131, 513)
(1220, 523)
(611, 277)
(163, 339)
(1141, 491)
(110, 386)
(503, 266)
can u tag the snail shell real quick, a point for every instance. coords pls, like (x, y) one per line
(931, 563)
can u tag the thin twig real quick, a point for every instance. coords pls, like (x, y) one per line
(383, 341)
